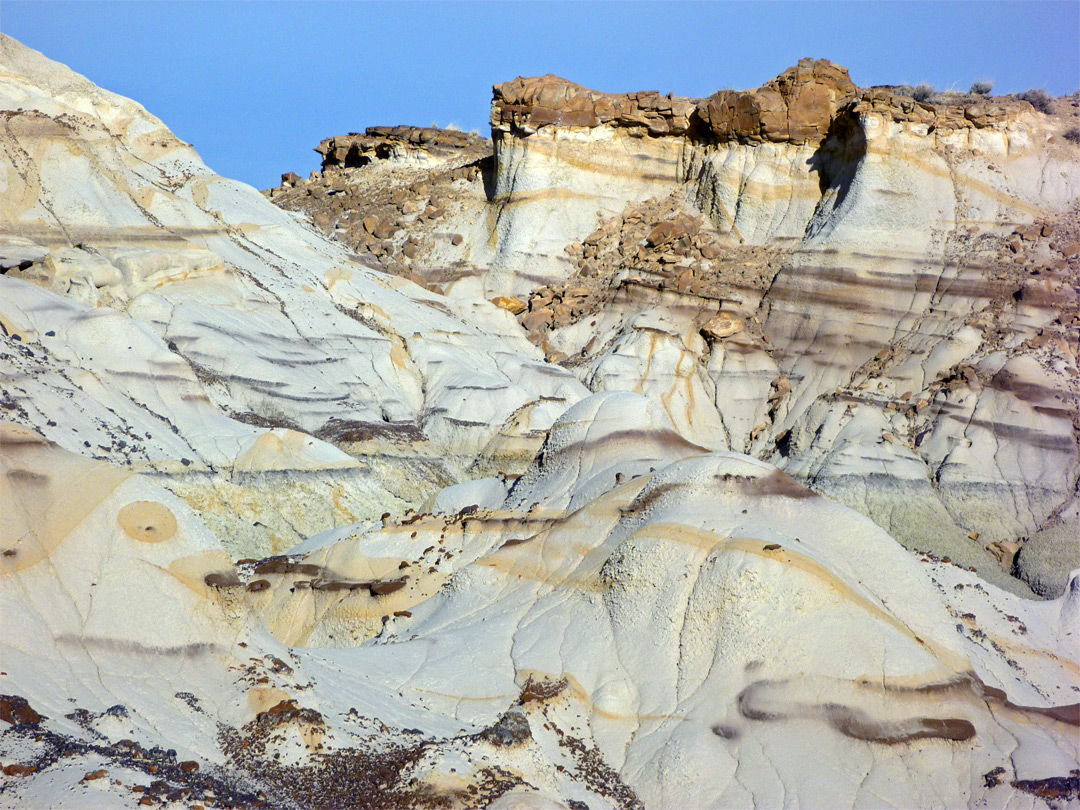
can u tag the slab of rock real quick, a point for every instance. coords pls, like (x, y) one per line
(526, 104)
(385, 230)
(797, 106)
(1045, 560)
(514, 306)
(722, 326)
(384, 143)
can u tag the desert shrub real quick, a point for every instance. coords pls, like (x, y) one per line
(982, 88)
(1037, 98)
(1073, 135)
(923, 92)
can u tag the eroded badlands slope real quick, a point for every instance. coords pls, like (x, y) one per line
(876, 294)
(232, 572)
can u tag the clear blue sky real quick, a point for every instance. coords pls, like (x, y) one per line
(255, 86)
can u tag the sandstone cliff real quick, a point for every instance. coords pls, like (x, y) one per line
(885, 271)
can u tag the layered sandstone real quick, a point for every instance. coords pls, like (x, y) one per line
(313, 398)
(780, 221)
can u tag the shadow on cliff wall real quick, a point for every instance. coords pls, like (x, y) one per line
(836, 162)
(488, 173)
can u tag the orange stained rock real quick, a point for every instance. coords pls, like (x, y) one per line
(263, 698)
(192, 569)
(45, 493)
(147, 521)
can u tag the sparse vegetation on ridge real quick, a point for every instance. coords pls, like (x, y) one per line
(1037, 98)
(924, 92)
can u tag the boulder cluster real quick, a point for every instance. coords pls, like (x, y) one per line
(653, 245)
(382, 143)
(1034, 270)
(797, 106)
(386, 193)
(525, 104)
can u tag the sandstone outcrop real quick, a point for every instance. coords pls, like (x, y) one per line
(398, 144)
(797, 106)
(947, 113)
(528, 104)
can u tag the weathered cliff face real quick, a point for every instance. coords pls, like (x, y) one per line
(916, 243)
(220, 345)
(567, 156)
(342, 532)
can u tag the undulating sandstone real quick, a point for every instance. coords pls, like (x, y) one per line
(654, 452)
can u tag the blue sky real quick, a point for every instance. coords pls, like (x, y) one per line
(255, 86)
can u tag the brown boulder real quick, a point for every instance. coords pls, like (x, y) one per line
(672, 229)
(15, 710)
(538, 319)
(385, 230)
(797, 106)
(709, 250)
(722, 326)
(984, 115)
(1004, 551)
(664, 232)
(528, 103)
(684, 279)
(563, 314)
